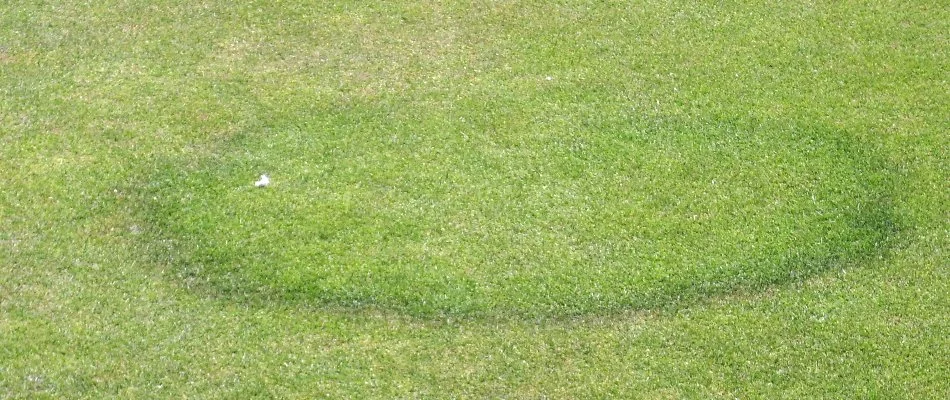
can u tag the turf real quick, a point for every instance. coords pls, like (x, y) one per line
(460, 222)
(504, 199)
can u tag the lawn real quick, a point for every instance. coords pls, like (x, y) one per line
(508, 199)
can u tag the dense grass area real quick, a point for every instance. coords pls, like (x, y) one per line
(459, 221)
(504, 199)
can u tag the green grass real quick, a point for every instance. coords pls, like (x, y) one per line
(507, 199)
(616, 218)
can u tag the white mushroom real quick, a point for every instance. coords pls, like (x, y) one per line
(264, 181)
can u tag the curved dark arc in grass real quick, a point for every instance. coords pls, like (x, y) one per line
(875, 217)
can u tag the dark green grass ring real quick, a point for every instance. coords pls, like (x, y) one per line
(436, 217)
